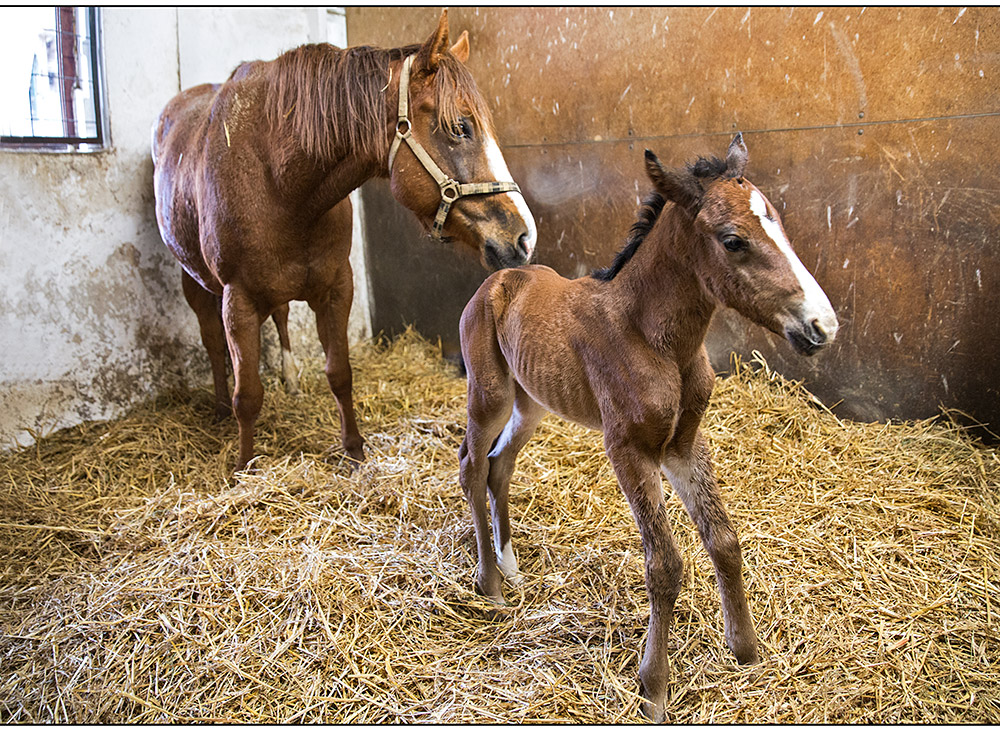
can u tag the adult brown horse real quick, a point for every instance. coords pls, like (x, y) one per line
(623, 352)
(252, 177)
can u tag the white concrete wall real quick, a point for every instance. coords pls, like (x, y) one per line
(92, 319)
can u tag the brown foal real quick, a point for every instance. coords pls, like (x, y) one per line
(251, 181)
(622, 351)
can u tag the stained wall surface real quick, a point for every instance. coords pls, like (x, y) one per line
(92, 318)
(869, 129)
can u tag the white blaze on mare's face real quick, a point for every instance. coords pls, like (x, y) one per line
(499, 171)
(816, 305)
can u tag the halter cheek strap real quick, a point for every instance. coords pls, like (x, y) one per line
(451, 189)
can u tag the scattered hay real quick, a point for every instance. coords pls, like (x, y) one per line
(139, 583)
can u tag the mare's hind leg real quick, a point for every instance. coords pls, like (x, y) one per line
(332, 313)
(520, 427)
(688, 466)
(289, 368)
(208, 308)
(242, 320)
(640, 481)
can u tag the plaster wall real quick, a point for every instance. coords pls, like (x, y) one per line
(92, 319)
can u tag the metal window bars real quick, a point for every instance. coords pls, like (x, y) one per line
(78, 66)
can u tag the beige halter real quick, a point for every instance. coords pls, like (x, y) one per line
(451, 190)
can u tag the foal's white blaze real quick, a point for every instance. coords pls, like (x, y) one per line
(816, 305)
(498, 168)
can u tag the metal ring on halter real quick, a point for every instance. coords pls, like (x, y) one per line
(451, 190)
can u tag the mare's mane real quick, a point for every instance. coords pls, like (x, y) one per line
(650, 210)
(334, 100)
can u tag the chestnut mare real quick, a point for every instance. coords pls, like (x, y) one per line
(622, 352)
(252, 177)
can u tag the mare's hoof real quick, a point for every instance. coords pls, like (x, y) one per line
(222, 413)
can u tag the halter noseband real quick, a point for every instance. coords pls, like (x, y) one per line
(451, 190)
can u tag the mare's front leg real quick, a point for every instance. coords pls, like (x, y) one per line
(332, 313)
(242, 320)
(208, 307)
(520, 427)
(688, 466)
(289, 368)
(639, 479)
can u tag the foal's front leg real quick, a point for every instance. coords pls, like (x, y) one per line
(639, 479)
(689, 469)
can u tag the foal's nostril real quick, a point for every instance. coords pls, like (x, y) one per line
(818, 333)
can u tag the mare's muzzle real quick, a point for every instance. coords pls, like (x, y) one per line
(451, 189)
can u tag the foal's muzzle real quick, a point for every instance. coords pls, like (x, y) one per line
(808, 337)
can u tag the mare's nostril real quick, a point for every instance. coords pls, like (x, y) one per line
(522, 245)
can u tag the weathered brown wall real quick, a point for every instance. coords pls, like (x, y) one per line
(870, 129)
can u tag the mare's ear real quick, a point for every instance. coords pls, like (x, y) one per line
(436, 46)
(461, 48)
(674, 185)
(736, 157)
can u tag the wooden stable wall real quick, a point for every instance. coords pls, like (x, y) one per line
(870, 129)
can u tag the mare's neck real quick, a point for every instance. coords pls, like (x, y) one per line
(315, 176)
(661, 292)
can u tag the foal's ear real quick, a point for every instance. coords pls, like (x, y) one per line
(437, 45)
(461, 48)
(736, 157)
(674, 185)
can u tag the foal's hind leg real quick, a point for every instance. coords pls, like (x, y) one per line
(689, 468)
(208, 308)
(640, 481)
(520, 427)
(332, 314)
(491, 397)
(289, 368)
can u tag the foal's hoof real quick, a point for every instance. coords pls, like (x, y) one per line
(653, 710)
(745, 652)
(222, 412)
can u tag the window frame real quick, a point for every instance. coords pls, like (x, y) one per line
(102, 139)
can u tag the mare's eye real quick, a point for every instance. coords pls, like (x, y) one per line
(734, 243)
(462, 129)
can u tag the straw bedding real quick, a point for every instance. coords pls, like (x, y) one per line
(141, 583)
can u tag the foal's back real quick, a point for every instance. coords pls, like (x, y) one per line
(562, 340)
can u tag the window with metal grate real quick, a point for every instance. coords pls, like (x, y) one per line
(52, 86)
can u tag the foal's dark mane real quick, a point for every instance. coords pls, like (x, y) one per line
(334, 100)
(652, 207)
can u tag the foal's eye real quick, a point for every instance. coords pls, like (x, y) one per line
(734, 243)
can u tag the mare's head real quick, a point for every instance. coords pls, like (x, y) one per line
(740, 250)
(450, 120)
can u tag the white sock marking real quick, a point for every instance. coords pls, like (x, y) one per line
(508, 562)
(289, 371)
